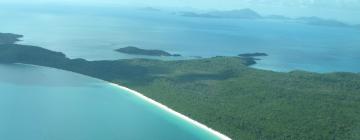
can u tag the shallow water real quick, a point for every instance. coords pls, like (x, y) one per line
(94, 32)
(38, 103)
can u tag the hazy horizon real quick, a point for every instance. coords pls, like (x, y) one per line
(344, 10)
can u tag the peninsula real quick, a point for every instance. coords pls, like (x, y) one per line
(253, 54)
(8, 38)
(251, 58)
(137, 51)
(225, 94)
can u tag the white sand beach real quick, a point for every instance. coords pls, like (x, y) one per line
(167, 109)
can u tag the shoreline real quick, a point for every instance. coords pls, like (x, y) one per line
(173, 112)
(153, 102)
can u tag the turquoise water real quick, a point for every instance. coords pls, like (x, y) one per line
(38, 103)
(94, 32)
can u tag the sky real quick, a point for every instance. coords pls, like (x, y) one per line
(345, 10)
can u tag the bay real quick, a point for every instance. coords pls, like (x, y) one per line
(93, 32)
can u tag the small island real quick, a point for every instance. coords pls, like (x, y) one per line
(137, 51)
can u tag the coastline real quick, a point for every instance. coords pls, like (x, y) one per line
(173, 112)
(153, 102)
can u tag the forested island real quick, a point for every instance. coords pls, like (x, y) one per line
(251, 14)
(137, 51)
(227, 95)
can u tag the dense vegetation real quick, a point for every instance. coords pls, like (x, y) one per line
(225, 94)
(138, 51)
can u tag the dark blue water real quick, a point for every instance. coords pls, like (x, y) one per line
(38, 103)
(94, 32)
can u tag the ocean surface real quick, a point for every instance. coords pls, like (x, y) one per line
(94, 32)
(38, 103)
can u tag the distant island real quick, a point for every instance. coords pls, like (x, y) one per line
(251, 14)
(322, 22)
(225, 94)
(137, 51)
(241, 13)
(251, 58)
(277, 17)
